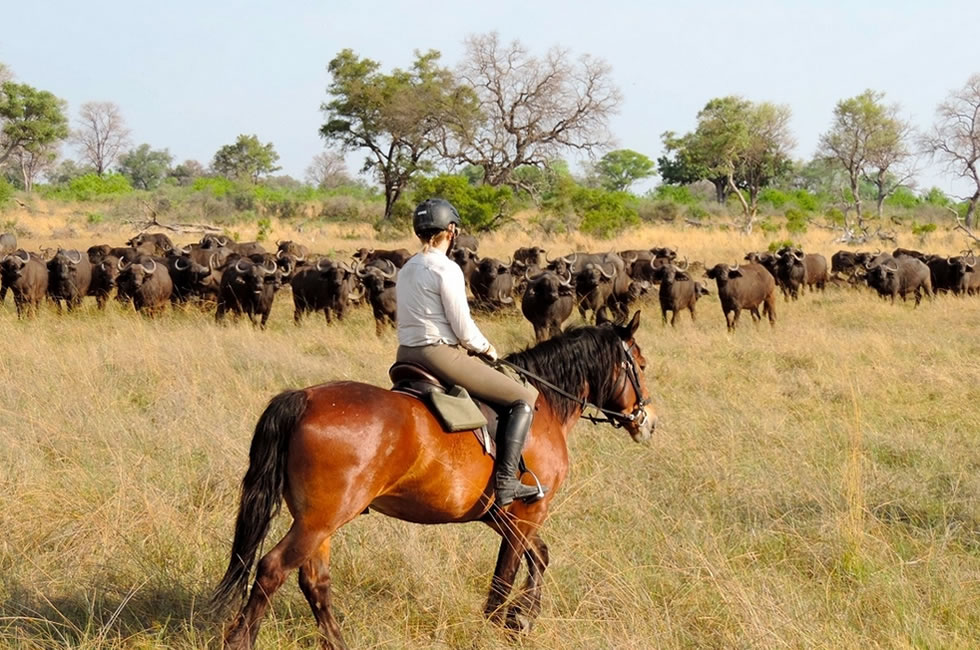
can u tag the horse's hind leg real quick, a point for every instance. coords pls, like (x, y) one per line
(289, 553)
(528, 604)
(314, 580)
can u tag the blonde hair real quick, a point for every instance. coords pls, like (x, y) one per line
(434, 241)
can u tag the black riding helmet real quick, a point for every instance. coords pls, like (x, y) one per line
(433, 215)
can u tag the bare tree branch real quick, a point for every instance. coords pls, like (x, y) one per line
(101, 134)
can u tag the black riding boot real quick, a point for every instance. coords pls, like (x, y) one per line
(510, 443)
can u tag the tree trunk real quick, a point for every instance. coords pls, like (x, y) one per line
(747, 217)
(971, 210)
(856, 195)
(721, 189)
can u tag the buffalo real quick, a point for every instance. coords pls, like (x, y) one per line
(69, 277)
(547, 303)
(189, 277)
(105, 275)
(378, 279)
(492, 284)
(298, 251)
(147, 283)
(151, 244)
(467, 260)
(678, 291)
(397, 256)
(744, 287)
(27, 278)
(248, 288)
(326, 286)
(899, 276)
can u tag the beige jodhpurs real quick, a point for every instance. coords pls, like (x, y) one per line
(454, 366)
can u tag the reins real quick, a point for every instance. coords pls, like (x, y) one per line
(614, 418)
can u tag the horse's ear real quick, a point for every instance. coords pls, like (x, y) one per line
(602, 316)
(633, 325)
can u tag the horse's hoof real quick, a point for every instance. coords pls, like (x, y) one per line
(518, 621)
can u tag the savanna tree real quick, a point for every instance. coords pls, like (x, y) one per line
(748, 143)
(394, 116)
(145, 167)
(617, 170)
(30, 119)
(528, 110)
(247, 159)
(955, 139)
(869, 141)
(100, 134)
(328, 170)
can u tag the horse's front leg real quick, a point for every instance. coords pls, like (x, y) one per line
(528, 605)
(512, 546)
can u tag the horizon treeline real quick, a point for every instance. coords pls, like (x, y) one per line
(494, 134)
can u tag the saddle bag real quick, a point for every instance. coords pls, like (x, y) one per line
(456, 410)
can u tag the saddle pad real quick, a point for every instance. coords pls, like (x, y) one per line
(456, 410)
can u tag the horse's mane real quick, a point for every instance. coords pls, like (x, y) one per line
(579, 356)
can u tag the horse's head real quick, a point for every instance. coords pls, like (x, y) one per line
(630, 397)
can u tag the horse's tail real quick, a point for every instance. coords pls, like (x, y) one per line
(262, 491)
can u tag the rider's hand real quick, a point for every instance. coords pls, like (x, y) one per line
(491, 353)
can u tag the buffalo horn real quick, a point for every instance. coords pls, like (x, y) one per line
(238, 266)
(391, 273)
(149, 271)
(798, 255)
(26, 258)
(319, 264)
(686, 264)
(265, 267)
(73, 259)
(607, 275)
(279, 254)
(179, 267)
(733, 267)
(568, 282)
(120, 266)
(969, 265)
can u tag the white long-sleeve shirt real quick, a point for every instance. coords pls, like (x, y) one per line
(432, 307)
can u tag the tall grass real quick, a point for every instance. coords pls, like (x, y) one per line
(812, 485)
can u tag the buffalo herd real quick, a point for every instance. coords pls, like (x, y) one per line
(150, 272)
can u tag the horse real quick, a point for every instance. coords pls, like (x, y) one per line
(334, 450)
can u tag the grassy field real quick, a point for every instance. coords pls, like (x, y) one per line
(812, 485)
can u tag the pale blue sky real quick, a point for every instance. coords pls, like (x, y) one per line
(191, 76)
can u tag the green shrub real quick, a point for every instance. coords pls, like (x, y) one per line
(6, 191)
(216, 186)
(94, 218)
(923, 229)
(903, 197)
(680, 194)
(604, 213)
(769, 226)
(90, 187)
(775, 245)
(776, 198)
(481, 207)
(806, 201)
(835, 216)
(796, 222)
(265, 226)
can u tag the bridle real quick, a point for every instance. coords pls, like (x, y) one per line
(637, 416)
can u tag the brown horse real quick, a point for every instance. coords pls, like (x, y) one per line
(336, 449)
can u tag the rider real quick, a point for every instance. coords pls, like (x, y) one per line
(435, 330)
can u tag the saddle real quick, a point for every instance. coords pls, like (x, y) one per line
(455, 409)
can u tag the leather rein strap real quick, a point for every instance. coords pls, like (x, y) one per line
(614, 418)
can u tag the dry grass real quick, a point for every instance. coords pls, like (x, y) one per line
(815, 485)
